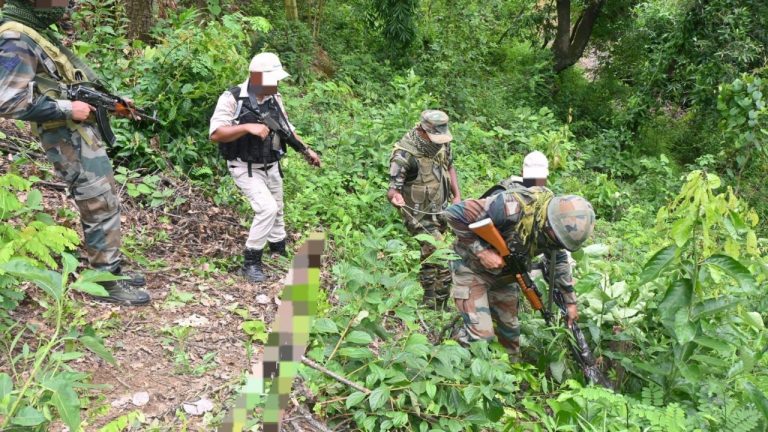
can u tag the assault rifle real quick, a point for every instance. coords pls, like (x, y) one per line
(579, 348)
(283, 134)
(105, 102)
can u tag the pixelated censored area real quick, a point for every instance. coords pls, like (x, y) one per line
(286, 343)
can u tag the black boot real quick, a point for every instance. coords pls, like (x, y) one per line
(278, 248)
(252, 268)
(121, 292)
(135, 279)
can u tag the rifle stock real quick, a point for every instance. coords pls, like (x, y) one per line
(486, 230)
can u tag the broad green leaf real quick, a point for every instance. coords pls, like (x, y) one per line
(735, 269)
(325, 326)
(712, 343)
(378, 398)
(49, 281)
(91, 288)
(713, 306)
(65, 400)
(69, 264)
(558, 369)
(712, 361)
(471, 392)
(354, 399)
(678, 296)
(682, 229)
(6, 384)
(96, 345)
(684, 328)
(355, 353)
(359, 338)
(431, 389)
(66, 356)
(658, 262)
(29, 417)
(754, 319)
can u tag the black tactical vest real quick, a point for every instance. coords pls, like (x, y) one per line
(250, 148)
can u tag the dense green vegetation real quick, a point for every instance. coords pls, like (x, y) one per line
(665, 133)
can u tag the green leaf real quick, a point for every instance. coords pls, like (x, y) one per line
(359, 338)
(658, 262)
(355, 353)
(378, 398)
(682, 229)
(355, 398)
(713, 306)
(754, 320)
(431, 389)
(734, 269)
(28, 416)
(557, 368)
(65, 400)
(678, 296)
(719, 345)
(96, 345)
(91, 288)
(684, 328)
(6, 385)
(49, 281)
(325, 326)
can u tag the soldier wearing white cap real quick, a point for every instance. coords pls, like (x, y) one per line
(252, 129)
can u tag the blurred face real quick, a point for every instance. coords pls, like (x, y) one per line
(257, 85)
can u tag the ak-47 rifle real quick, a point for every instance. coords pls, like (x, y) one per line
(486, 230)
(105, 103)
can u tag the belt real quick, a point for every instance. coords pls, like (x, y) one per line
(55, 124)
(250, 167)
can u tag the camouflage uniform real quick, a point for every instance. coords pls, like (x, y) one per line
(419, 170)
(487, 297)
(29, 79)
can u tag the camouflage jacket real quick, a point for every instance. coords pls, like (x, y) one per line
(21, 60)
(518, 216)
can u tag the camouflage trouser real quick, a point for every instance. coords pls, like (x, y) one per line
(434, 278)
(86, 169)
(484, 300)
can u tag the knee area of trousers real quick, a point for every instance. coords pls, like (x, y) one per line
(96, 200)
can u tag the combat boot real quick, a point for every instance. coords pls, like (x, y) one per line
(121, 292)
(134, 279)
(252, 266)
(278, 248)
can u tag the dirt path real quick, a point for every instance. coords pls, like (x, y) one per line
(182, 359)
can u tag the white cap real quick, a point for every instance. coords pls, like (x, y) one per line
(535, 166)
(269, 64)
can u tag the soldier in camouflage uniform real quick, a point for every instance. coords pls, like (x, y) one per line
(422, 181)
(532, 221)
(33, 66)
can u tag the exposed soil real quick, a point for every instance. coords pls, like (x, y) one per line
(185, 250)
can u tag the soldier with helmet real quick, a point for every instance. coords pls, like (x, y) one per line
(532, 221)
(422, 182)
(34, 65)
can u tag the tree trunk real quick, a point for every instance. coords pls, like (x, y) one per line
(140, 18)
(570, 42)
(291, 10)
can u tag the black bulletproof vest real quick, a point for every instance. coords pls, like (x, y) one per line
(250, 148)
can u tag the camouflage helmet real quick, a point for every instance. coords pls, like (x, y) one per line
(572, 219)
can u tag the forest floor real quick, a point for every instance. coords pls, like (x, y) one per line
(182, 359)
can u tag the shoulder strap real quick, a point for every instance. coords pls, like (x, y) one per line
(64, 68)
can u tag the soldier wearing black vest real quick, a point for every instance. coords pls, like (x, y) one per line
(253, 152)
